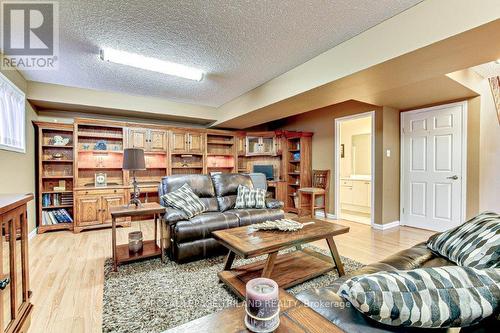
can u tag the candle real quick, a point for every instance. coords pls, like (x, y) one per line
(262, 305)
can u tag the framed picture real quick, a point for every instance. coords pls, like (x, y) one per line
(495, 91)
(101, 179)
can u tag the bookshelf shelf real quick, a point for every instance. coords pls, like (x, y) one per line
(57, 177)
(56, 207)
(57, 161)
(54, 146)
(100, 135)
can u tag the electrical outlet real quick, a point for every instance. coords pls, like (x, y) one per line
(388, 153)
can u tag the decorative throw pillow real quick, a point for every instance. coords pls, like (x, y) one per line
(250, 198)
(185, 200)
(475, 243)
(449, 296)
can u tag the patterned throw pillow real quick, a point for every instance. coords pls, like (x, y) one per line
(250, 198)
(184, 199)
(475, 243)
(449, 296)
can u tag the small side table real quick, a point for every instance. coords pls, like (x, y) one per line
(150, 248)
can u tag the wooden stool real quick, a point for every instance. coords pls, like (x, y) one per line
(318, 190)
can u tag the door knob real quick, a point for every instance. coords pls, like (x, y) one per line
(454, 177)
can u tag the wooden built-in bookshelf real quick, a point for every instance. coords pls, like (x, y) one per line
(96, 147)
(297, 162)
(221, 152)
(54, 176)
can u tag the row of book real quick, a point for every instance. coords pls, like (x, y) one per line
(57, 199)
(56, 216)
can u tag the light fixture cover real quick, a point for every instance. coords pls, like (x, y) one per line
(150, 64)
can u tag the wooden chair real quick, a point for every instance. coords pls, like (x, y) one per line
(319, 189)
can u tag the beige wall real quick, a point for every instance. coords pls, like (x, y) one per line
(17, 170)
(473, 159)
(489, 153)
(322, 123)
(390, 165)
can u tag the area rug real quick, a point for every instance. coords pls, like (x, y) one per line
(151, 296)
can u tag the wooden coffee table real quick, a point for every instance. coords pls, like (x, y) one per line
(294, 317)
(287, 269)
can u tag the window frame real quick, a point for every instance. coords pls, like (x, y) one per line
(16, 89)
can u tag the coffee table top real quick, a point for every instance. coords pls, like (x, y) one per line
(248, 243)
(294, 317)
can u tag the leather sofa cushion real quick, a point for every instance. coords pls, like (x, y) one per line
(252, 216)
(201, 226)
(327, 303)
(344, 315)
(227, 183)
(197, 249)
(201, 184)
(227, 202)
(211, 203)
(414, 257)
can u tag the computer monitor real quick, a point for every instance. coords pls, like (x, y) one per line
(265, 169)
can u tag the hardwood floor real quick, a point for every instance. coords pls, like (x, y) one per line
(67, 270)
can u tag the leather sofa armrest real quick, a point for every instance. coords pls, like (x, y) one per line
(173, 215)
(274, 204)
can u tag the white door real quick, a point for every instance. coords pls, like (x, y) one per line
(433, 167)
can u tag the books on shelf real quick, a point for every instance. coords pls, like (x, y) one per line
(56, 216)
(57, 199)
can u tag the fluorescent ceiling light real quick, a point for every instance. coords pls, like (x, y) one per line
(151, 64)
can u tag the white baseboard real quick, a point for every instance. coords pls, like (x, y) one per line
(328, 215)
(386, 225)
(32, 234)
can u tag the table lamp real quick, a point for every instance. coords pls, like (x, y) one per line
(133, 160)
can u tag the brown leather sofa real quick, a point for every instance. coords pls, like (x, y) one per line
(191, 239)
(327, 303)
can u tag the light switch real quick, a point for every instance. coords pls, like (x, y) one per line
(388, 153)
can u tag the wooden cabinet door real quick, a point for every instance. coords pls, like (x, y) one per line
(196, 143)
(267, 146)
(253, 145)
(138, 138)
(179, 142)
(89, 210)
(157, 140)
(108, 201)
(240, 145)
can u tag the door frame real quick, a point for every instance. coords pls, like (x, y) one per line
(338, 121)
(402, 182)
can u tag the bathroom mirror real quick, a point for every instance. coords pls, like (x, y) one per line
(361, 162)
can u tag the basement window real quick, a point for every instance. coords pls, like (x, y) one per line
(12, 117)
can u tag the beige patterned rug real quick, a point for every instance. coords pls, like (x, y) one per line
(151, 296)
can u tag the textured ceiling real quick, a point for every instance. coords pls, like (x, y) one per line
(241, 44)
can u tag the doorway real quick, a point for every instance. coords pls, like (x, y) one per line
(433, 166)
(354, 165)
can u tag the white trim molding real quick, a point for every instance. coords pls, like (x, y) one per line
(385, 226)
(328, 215)
(336, 153)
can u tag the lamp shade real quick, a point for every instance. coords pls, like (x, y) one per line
(133, 159)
